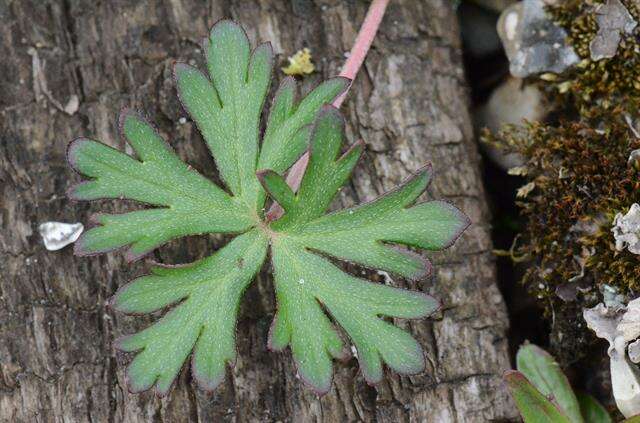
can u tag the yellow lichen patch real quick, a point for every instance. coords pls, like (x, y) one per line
(518, 171)
(300, 63)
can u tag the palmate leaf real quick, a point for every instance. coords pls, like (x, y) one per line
(211, 290)
(305, 280)
(193, 204)
(227, 110)
(312, 292)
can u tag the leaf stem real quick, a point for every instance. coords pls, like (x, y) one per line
(350, 69)
(362, 44)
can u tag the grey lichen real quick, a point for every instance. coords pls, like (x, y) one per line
(613, 20)
(619, 327)
(626, 230)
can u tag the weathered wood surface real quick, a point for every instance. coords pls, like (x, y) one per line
(409, 104)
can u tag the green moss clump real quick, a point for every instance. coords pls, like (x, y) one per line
(597, 86)
(581, 180)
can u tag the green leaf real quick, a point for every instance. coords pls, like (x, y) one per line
(209, 293)
(373, 227)
(321, 308)
(287, 134)
(592, 411)
(545, 374)
(306, 282)
(192, 203)
(533, 406)
(227, 110)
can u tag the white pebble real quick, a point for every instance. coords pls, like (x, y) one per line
(57, 235)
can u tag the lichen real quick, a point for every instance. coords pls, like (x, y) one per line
(597, 86)
(626, 230)
(300, 64)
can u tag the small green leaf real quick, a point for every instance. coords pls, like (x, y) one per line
(227, 109)
(545, 374)
(192, 204)
(592, 411)
(325, 173)
(305, 282)
(375, 226)
(533, 406)
(287, 134)
(278, 188)
(209, 293)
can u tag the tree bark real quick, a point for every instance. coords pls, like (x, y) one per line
(409, 104)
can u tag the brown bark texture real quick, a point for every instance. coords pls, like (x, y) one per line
(409, 103)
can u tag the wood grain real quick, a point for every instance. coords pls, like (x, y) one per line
(409, 104)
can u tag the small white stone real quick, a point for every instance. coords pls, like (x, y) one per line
(57, 235)
(182, 120)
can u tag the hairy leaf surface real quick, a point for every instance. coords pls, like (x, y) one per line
(305, 281)
(321, 308)
(205, 319)
(192, 203)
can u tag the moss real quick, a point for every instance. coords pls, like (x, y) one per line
(576, 179)
(597, 86)
(582, 180)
